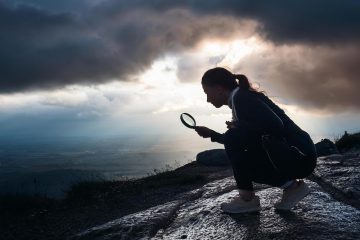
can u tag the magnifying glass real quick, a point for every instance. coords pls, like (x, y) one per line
(188, 120)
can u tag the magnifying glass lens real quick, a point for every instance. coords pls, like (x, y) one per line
(188, 120)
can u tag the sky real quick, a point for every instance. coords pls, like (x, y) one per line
(98, 68)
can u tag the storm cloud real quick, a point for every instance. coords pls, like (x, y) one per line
(45, 47)
(41, 50)
(321, 79)
(282, 21)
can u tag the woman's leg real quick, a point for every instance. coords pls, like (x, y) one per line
(239, 149)
(235, 148)
(249, 161)
(294, 158)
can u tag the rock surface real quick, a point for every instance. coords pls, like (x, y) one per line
(341, 172)
(214, 157)
(198, 216)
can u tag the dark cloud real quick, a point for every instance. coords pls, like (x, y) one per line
(42, 50)
(56, 6)
(283, 21)
(45, 48)
(315, 78)
(330, 84)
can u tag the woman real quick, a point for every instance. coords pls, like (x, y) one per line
(263, 144)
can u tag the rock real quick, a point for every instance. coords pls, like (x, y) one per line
(141, 224)
(326, 147)
(133, 226)
(197, 214)
(318, 216)
(214, 157)
(341, 172)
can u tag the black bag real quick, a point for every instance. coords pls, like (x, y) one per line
(288, 160)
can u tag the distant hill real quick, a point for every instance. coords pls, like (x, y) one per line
(326, 147)
(348, 142)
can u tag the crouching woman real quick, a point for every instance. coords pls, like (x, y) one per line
(263, 144)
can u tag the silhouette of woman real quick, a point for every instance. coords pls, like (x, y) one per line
(262, 143)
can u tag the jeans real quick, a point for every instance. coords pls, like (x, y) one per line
(273, 162)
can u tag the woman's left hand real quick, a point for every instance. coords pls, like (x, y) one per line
(230, 124)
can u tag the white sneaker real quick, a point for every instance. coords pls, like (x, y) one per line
(238, 205)
(292, 196)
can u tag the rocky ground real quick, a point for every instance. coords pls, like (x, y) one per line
(339, 174)
(91, 204)
(184, 204)
(330, 211)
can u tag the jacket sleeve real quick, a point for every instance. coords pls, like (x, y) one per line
(217, 137)
(259, 117)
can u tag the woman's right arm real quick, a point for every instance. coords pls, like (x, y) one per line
(217, 137)
(209, 133)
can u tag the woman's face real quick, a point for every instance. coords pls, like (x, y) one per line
(214, 95)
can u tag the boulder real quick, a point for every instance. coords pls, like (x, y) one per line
(326, 147)
(214, 157)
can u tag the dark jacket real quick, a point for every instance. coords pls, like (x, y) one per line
(260, 121)
(258, 115)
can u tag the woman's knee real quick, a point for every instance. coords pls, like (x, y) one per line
(302, 168)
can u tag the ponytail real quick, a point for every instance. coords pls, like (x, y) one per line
(223, 77)
(243, 81)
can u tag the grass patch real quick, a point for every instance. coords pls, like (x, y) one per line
(348, 142)
(98, 190)
(172, 178)
(89, 190)
(88, 193)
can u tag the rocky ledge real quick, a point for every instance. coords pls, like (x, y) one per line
(341, 175)
(330, 211)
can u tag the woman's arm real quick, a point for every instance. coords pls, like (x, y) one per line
(217, 137)
(209, 133)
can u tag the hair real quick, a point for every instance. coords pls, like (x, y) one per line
(223, 77)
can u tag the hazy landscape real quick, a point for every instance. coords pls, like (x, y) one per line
(49, 166)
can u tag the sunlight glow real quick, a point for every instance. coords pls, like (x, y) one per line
(231, 52)
(161, 74)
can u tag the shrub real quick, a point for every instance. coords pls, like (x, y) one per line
(348, 142)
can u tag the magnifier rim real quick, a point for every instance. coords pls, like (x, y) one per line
(184, 122)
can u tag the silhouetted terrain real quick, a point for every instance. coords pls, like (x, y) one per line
(88, 204)
(93, 203)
